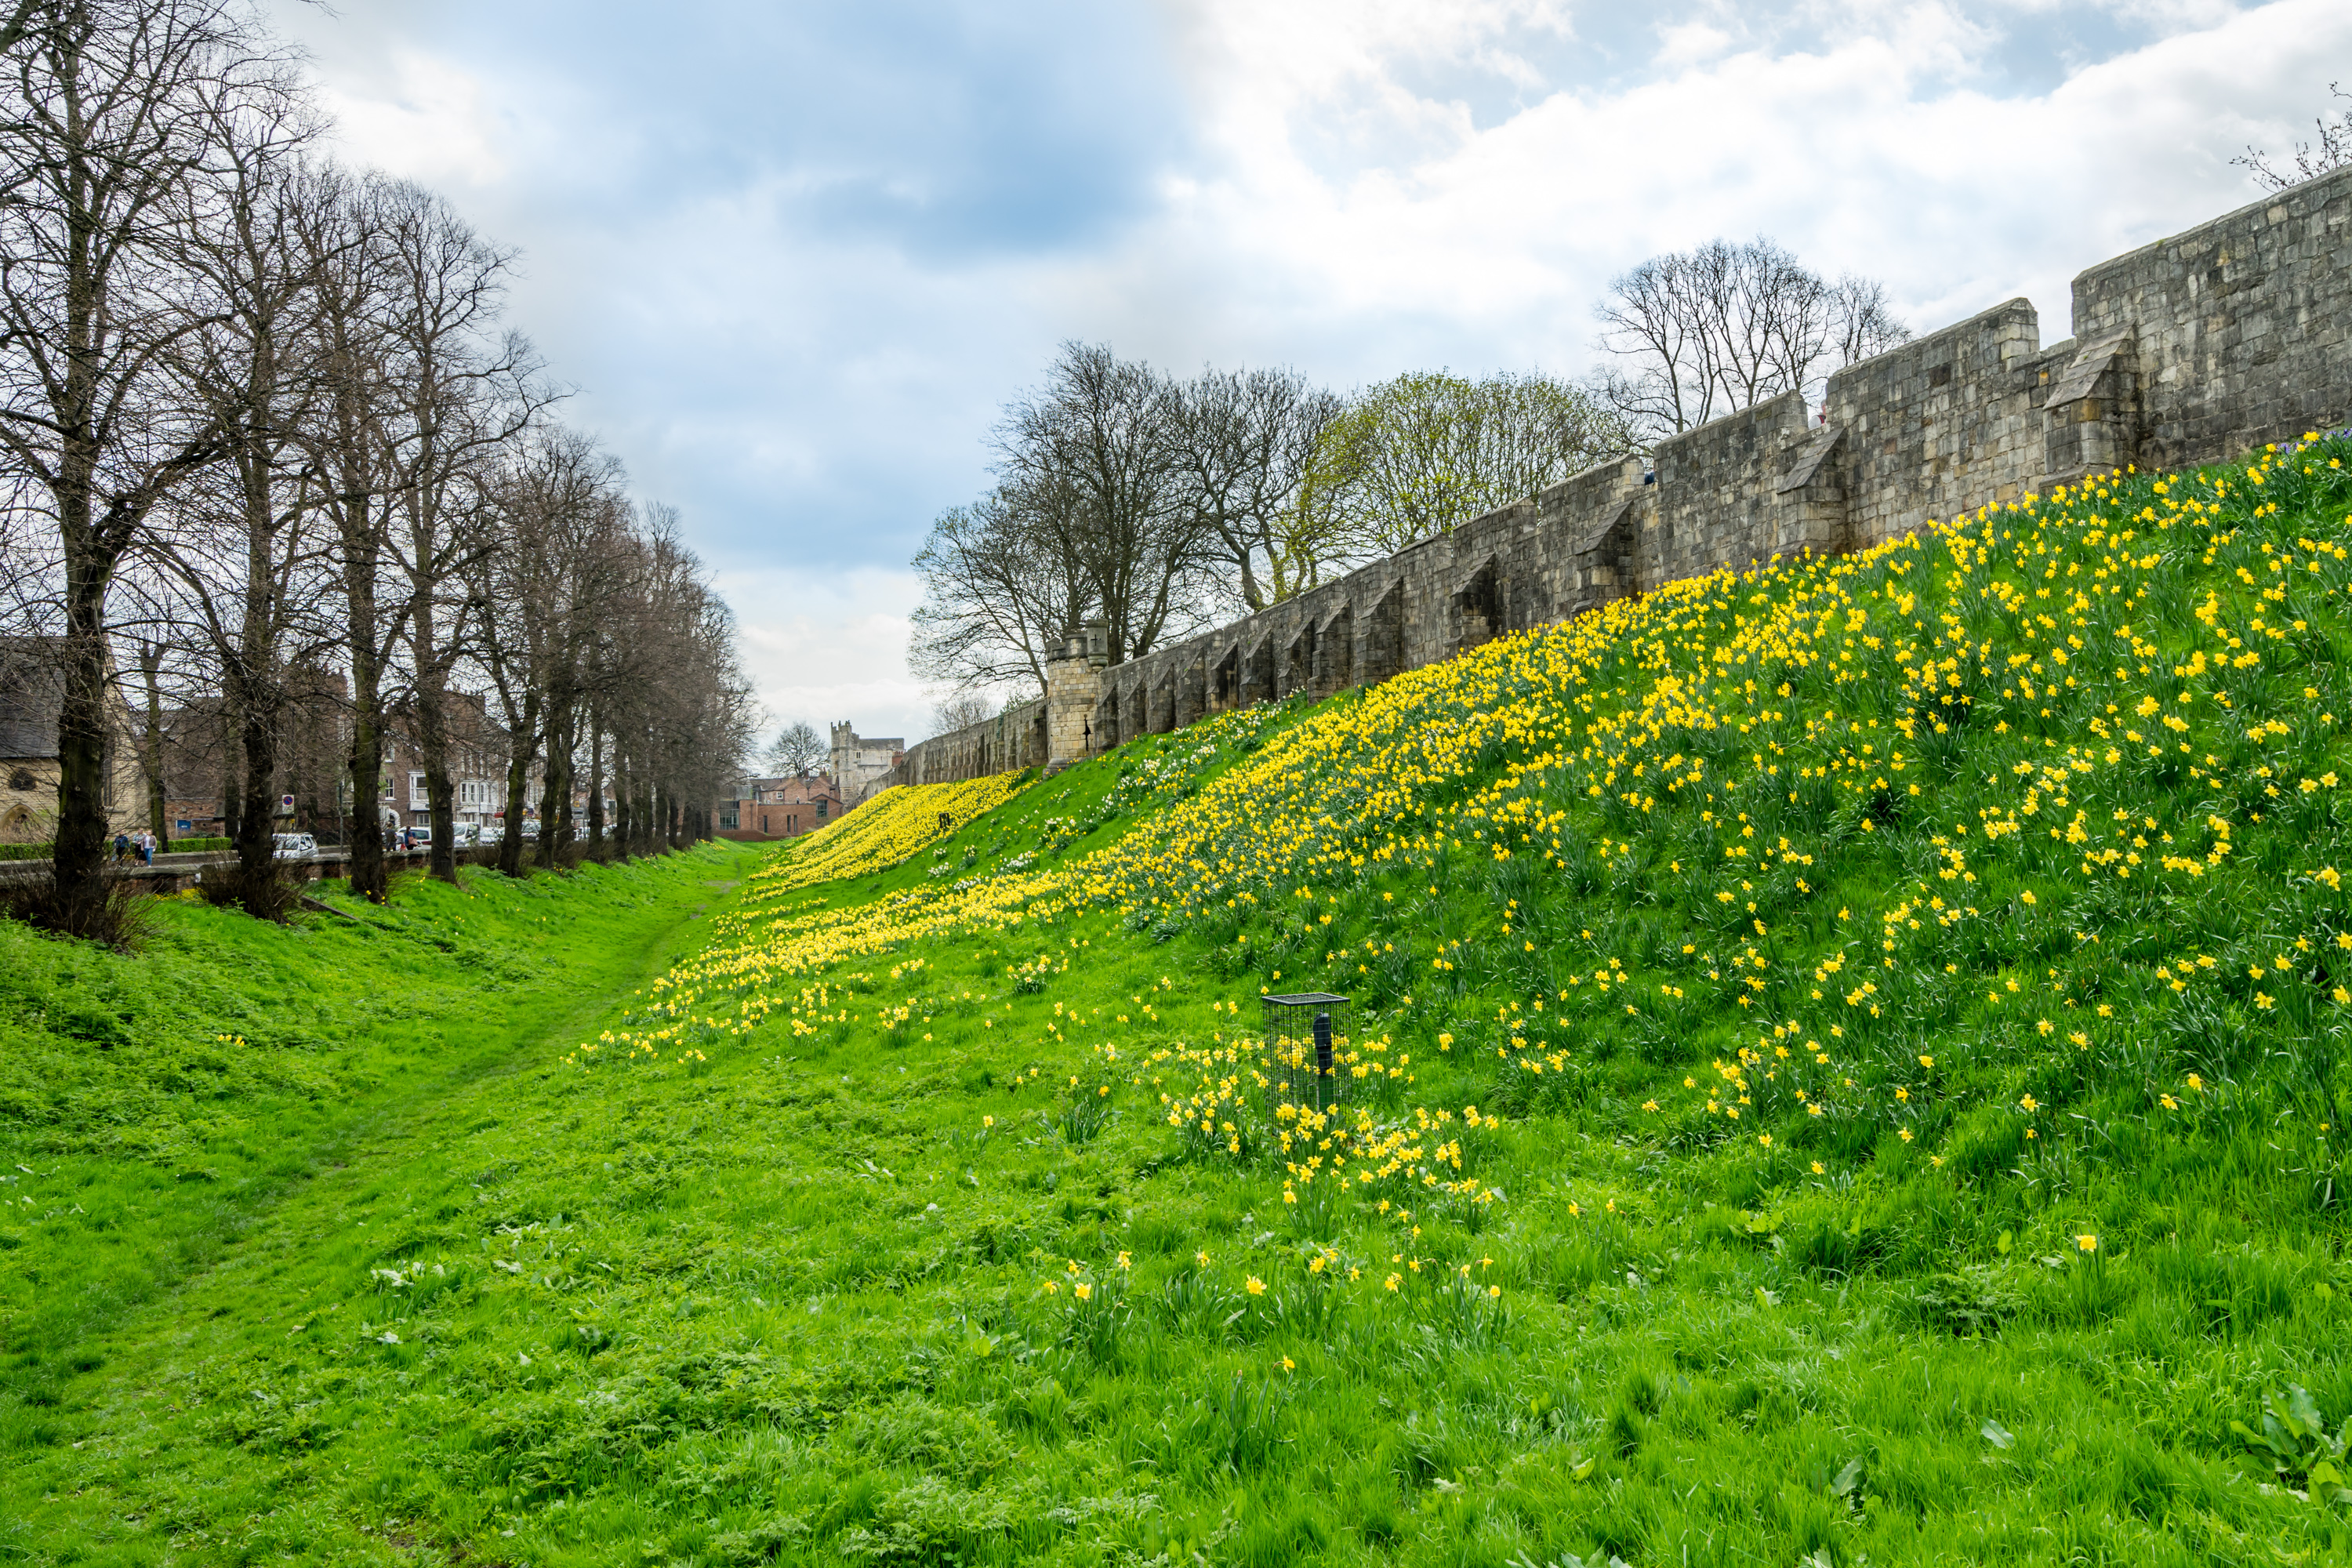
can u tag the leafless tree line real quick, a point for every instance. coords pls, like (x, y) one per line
(1697, 334)
(1123, 496)
(267, 440)
(1150, 504)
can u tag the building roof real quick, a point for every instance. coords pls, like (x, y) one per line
(32, 691)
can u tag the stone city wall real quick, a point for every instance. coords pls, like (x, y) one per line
(2187, 351)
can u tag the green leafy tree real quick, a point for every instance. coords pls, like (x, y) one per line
(1418, 455)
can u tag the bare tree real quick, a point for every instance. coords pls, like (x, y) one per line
(352, 471)
(1095, 460)
(112, 124)
(683, 727)
(239, 544)
(2333, 149)
(150, 749)
(1002, 586)
(20, 21)
(275, 404)
(558, 573)
(961, 710)
(30, 573)
(797, 751)
(1701, 333)
(1247, 442)
(457, 391)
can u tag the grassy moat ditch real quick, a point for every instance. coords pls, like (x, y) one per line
(1847, 1064)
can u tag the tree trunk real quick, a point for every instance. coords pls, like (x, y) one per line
(440, 790)
(151, 656)
(367, 742)
(595, 788)
(622, 846)
(225, 776)
(555, 784)
(253, 685)
(256, 844)
(78, 863)
(519, 787)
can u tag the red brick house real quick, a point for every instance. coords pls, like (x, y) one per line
(765, 809)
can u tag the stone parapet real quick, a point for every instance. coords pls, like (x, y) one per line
(2187, 351)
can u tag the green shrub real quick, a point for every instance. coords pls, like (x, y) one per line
(176, 847)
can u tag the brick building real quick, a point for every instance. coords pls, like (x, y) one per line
(763, 809)
(478, 750)
(309, 788)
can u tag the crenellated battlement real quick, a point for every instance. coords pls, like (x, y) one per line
(2190, 350)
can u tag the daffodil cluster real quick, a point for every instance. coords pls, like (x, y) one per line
(2006, 794)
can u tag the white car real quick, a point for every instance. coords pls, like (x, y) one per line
(292, 846)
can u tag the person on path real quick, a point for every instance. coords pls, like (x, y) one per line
(121, 848)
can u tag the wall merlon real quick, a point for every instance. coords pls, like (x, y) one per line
(2189, 350)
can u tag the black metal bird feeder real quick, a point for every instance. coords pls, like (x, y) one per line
(1308, 1045)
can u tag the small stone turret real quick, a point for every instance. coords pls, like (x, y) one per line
(1073, 675)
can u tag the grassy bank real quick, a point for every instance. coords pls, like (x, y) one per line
(1847, 1066)
(154, 1108)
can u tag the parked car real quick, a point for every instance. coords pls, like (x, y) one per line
(465, 835)
(293, 847)
(491, 833)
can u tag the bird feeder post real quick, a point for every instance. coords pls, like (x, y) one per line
(1306, 1038)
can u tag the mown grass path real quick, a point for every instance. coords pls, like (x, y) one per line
(175, 1123)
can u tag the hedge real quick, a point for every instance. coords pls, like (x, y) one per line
(177, 846)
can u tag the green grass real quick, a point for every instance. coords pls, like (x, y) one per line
(158, 1108)
(765, 1276)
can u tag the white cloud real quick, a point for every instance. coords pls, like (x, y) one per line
(830, 646)
(424, 119)
(1877, 151)
(1691, 44)
(1368, 186)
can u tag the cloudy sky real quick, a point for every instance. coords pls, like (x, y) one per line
(796, 255)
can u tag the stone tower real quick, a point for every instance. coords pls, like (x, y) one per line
(1074, 676)
(845, 748)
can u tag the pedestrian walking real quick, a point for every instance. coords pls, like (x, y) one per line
(121, 848)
